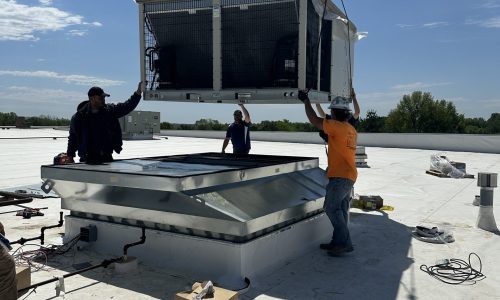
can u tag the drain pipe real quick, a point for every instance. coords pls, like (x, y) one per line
(485, 218)
(129, 263)
(22, 241)
(122, 264)
(143, 239)
(60, 224)
(105, 263)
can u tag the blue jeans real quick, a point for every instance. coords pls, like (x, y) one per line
(338, 194)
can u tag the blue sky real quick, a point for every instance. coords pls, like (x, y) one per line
(52, 51)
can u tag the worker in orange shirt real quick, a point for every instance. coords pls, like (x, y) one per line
(341, 172)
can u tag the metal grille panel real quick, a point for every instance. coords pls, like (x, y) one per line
(326, 56)
(312, 46)
(179, 44)
(259, 43)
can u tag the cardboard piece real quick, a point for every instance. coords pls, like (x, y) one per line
(23, 276)
(219, 294)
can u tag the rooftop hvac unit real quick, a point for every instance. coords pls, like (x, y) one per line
(140, 125)
(253, 51)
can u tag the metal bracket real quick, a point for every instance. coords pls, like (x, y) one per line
(47, 186)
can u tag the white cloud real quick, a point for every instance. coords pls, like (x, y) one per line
(429, 25)
(487, 23)
(96, 24)
(41, 96)
(491, 4)
(406, 25)
(417, 85)
(72, 79)
(434, 24)
(45, 2)
(77, 32)
(20, 22)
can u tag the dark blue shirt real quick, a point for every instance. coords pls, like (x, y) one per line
(239, 133)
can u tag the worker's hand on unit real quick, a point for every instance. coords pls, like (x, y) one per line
(141, 87)
(303, 95)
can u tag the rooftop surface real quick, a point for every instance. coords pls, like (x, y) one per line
(384, 265)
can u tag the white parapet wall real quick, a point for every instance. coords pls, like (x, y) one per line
(444, 142)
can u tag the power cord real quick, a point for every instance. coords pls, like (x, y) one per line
(37, 259)
(455, 271)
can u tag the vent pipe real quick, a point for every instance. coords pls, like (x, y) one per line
(485, 218)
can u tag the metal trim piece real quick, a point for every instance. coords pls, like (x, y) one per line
(149, 180)
(263, 96)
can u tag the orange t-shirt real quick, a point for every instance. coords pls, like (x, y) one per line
(342, 139)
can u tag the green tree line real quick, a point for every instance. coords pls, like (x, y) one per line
(9, 119)
(209, 124)
(418, 112)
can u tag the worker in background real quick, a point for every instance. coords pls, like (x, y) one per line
(353, 120)
(8, 281)
(239, 132)
(342, 173)
(95, 131)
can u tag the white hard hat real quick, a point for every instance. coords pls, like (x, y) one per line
(339, 103)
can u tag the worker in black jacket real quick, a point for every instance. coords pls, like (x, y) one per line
(95, 131)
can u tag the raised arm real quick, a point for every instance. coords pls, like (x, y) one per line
(122, 109)
(310, 113)
(320, 110)
(246, 115)
(355, 115)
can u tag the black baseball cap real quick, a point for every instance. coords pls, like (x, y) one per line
(97, 91)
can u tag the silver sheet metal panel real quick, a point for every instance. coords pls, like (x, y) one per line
(228, 197)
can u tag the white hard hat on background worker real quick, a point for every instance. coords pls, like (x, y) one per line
(340, 102)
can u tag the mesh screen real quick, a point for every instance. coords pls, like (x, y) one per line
(312, 46)
(259, 43)
(179, 44)
(326, 55)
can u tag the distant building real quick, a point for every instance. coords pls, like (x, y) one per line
(21, 123)
(140, 125)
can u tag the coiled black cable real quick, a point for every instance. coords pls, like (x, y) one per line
(456, 271)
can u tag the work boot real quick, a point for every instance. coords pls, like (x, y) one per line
(340, 250)
(327, 246)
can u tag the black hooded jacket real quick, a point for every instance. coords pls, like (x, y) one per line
(96, 135)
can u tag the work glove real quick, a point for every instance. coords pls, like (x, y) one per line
(63, 159)
(303, 95)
